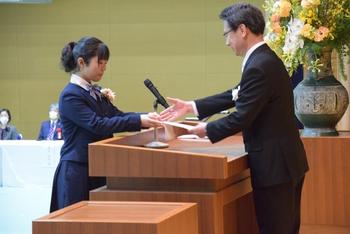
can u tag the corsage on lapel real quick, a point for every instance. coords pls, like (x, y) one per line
(235, 93)
(108, 93)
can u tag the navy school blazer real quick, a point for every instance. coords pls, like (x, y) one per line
(86, 120)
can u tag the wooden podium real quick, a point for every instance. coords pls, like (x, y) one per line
(216, 176)
(87, 217)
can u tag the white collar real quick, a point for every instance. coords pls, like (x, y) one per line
(250, 51)
(75, 79)
(53, 121)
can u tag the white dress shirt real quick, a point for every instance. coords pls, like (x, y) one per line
(250, 51)
(75, 79)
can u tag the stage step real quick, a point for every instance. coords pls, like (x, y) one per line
(324, 229)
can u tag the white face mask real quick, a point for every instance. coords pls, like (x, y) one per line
(4, 120)
(53, 115)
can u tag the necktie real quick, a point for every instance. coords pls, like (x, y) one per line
(51, 131)
(95, 91)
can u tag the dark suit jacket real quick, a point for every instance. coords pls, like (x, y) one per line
(10, 133)
(265, 115)
(86, 120)
(45, 129)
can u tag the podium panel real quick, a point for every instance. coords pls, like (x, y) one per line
(120, 218)
(326, 191)
(216, 176)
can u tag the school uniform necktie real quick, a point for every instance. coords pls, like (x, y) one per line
(95, 91)
(51, 131)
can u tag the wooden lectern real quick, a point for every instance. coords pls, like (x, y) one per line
(216, 176)
(95, 217)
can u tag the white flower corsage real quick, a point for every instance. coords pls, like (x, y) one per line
(108, 93)
(235, 93)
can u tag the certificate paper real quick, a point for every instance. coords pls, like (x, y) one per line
(175, 129)
(178, 125)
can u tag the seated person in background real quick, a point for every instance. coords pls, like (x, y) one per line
(7, 131)
(51, 129)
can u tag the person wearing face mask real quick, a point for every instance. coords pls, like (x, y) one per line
(7, 131)
(51, 129)
(87, 115)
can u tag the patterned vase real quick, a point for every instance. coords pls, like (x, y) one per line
(320, 99)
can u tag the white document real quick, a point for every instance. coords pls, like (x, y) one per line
(175, 129)
(178, 125)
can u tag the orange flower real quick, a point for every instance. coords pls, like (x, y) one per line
(276, 27)
(285, 8)
(275, 18)
(321, 33)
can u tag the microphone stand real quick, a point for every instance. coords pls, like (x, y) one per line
(155, 143)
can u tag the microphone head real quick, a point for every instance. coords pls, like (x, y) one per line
(148, 83)
(153, 89)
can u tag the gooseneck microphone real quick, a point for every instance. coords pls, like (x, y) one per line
(160, 99)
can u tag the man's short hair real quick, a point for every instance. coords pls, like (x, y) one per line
(244, 13)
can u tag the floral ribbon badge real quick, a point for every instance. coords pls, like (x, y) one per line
(108, 93)
(235, 93)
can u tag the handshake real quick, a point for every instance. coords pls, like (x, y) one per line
(178, 109)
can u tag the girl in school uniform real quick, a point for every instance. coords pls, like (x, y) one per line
(87, 115)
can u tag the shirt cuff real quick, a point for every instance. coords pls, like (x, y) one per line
(195, 111)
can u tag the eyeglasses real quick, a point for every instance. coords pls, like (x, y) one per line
(226, 33)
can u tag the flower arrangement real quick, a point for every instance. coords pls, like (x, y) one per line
(297, 27)
(108, 93)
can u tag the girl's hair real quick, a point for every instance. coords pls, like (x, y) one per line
(86, 48)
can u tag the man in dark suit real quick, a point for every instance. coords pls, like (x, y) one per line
(51, 129)
(265, 114)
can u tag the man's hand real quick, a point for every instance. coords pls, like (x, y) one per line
(199, 130)
(178, 109)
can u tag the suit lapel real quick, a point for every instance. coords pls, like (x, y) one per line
(95, 105)
(258, 50)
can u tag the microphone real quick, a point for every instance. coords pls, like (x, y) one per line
(160, 99)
